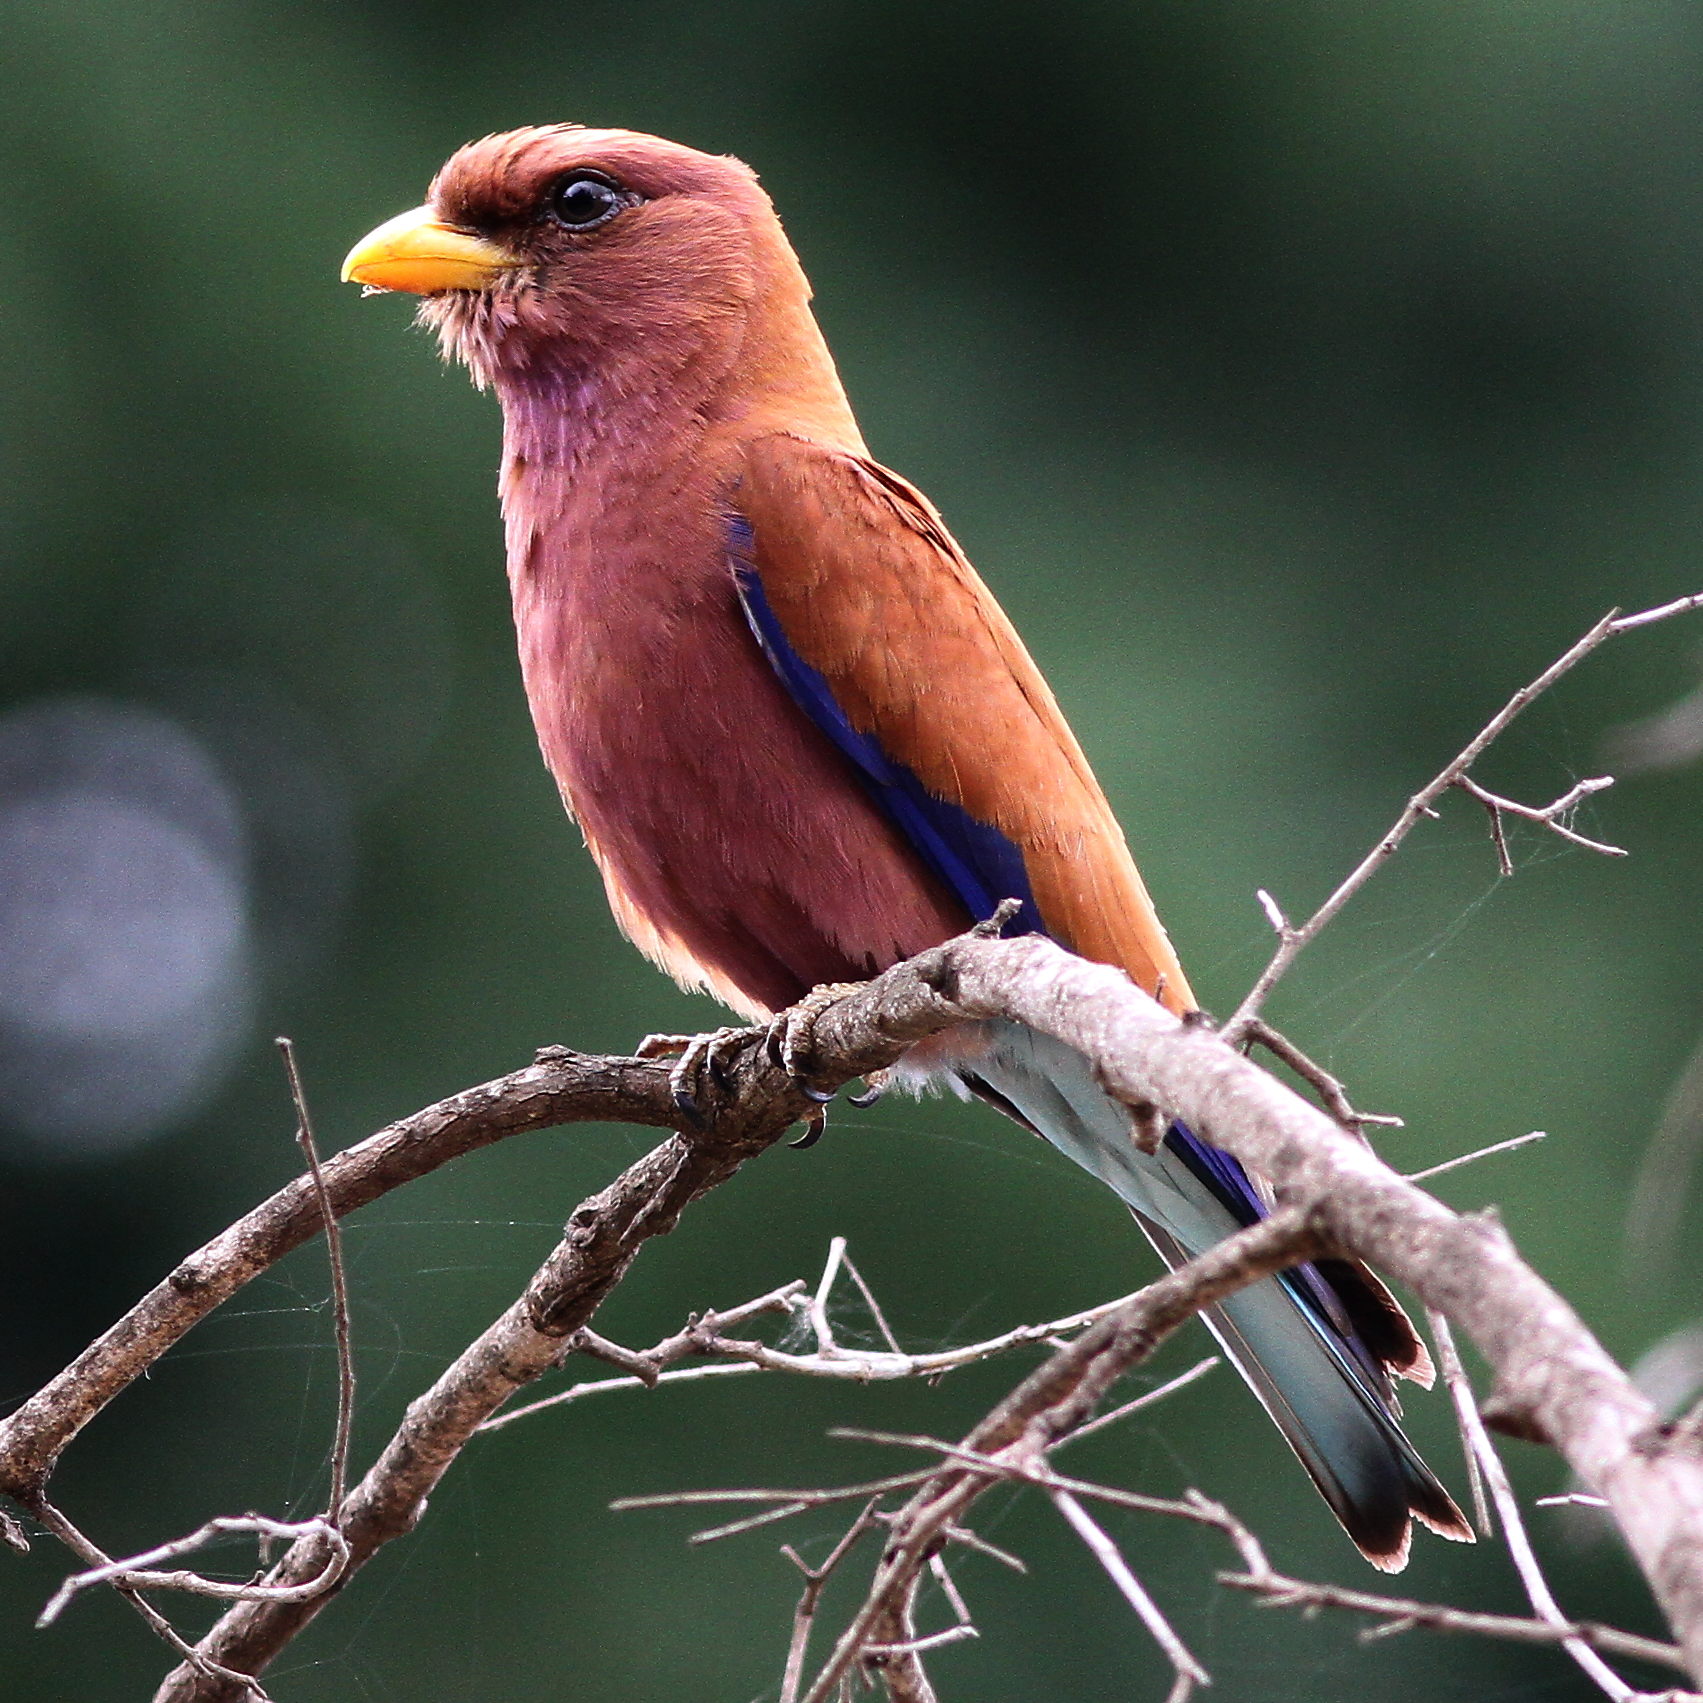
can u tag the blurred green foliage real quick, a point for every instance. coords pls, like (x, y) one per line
(1302, 377)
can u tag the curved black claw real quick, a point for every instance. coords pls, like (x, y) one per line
(687, 1103)
(816, 1096)
(875, 1087)
(813, 1128)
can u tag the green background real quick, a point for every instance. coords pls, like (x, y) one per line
(1303, 377)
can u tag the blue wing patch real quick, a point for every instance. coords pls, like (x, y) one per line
(973, 860)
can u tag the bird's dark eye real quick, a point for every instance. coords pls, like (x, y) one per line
(585, 199)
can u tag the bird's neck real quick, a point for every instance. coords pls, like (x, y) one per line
(652, 388)
(605, 445)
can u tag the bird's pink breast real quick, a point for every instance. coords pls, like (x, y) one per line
(726, 826)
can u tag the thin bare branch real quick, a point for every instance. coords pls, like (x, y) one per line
(137, 1572)
(861, 1366)
(244, 1685)
(1150, 1399)
(815, 1578)
(1024, 1469)
(1399, 1614)
(1051, 1402)
(650, 1366)
(340, 1325)
(1101, 1547)
(1329, 1088)
(810, 1498)
(599, 1386)
(1661, 612)
(873, 1305)
(818, 1308)
(929, 1641)
(1293, 940)
(1551, 816)
(974, 1540)
(1472, 1158)
(942, 1576)
(1259, 1577)
(1461, 1397)
(1526, 1564)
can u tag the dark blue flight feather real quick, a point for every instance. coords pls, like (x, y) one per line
(973, 860)
(981, 867)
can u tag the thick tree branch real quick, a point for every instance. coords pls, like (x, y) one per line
(1554, 1382)
(1550, 1369)
(561, 1088)
(1046, 1408)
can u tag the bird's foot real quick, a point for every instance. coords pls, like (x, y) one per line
(702, 1064)
(702, 1069)
(792, 1036)
(791, 1043)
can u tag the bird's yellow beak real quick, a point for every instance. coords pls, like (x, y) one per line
(420, 254)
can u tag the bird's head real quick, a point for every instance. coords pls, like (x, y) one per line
(564, 255)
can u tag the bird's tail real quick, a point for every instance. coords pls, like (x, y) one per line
(1316, 1344)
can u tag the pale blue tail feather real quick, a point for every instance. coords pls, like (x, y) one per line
(1327, 1396)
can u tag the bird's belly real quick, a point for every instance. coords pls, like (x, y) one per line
(738, 846)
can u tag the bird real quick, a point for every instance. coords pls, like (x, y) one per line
(802, 740)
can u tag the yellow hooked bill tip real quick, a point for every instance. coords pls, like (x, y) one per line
(418, 253)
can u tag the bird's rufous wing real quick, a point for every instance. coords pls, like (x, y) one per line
(855, 572)
(889, 641)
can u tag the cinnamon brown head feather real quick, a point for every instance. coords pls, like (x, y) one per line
(662, 262)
